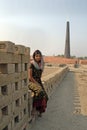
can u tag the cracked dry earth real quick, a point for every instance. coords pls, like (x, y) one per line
(67, 107)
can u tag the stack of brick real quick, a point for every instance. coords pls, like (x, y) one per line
(53, 80)
(14, 61)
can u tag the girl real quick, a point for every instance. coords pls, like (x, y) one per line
(35, 72)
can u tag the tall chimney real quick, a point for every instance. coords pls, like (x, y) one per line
(67, 41)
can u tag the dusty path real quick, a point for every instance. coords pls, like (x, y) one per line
(64, 108)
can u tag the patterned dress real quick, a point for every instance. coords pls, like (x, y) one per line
(36, 74)
(40, 101)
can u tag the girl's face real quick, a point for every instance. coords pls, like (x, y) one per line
(37, 57)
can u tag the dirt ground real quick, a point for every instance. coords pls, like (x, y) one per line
(49, 70)
(81, 78)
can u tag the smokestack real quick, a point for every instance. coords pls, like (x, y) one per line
(67, 41)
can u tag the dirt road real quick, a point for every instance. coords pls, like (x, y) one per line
(64, 111)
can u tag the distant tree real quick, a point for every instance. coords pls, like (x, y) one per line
(73, 57)
(60, 55)
(85, 57)
(81, 58)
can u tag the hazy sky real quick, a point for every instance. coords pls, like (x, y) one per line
(41, 24)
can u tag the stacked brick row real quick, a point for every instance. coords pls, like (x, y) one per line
(54, 79)
(14, 61)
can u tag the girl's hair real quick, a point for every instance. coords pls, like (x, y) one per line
(36, 52)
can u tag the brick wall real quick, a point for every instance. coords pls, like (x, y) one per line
(14, 61)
